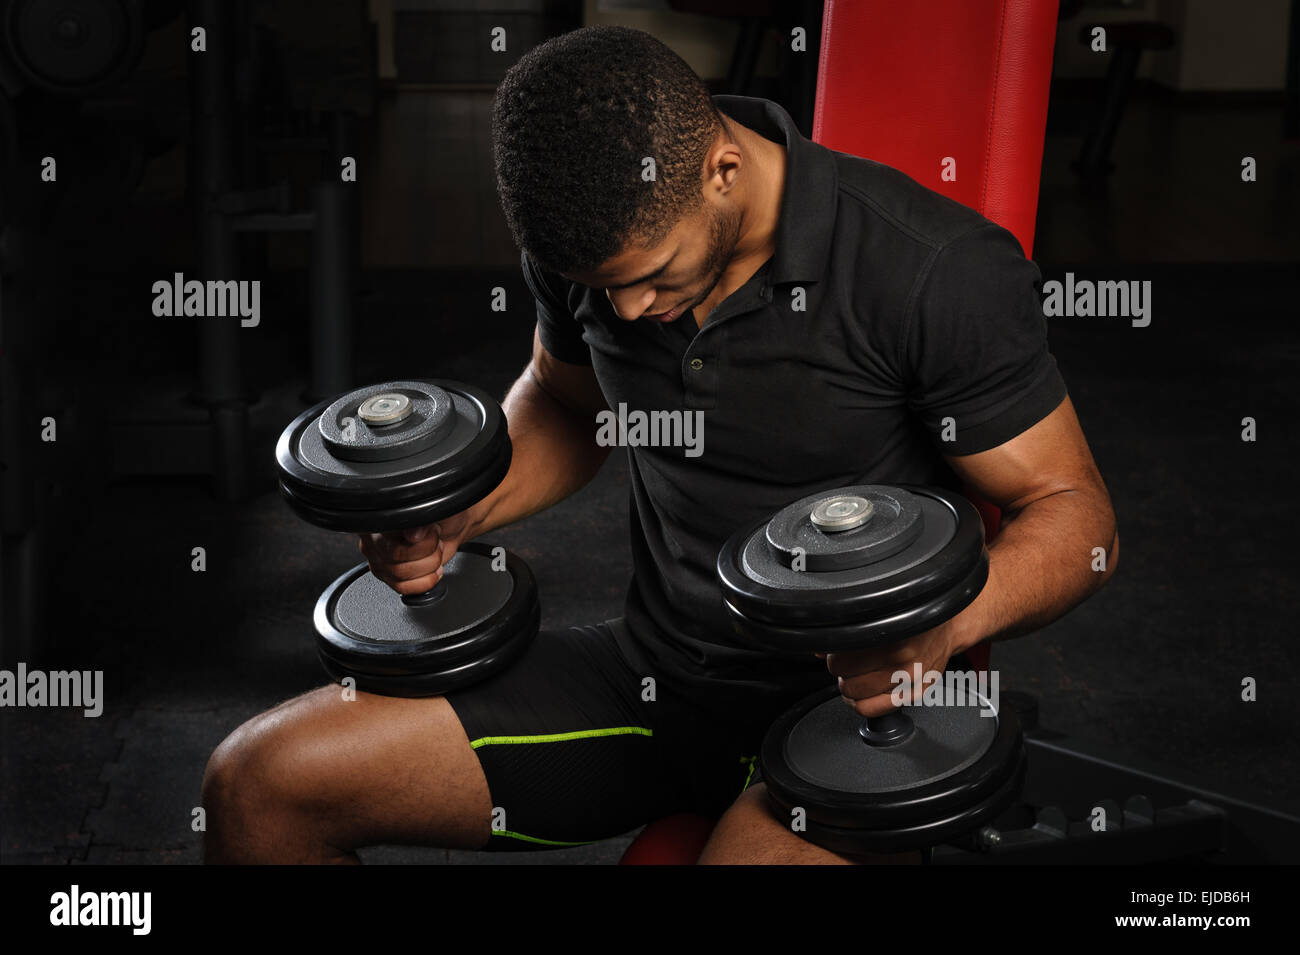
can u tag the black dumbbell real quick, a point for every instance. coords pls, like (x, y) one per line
(853, 569)
(399, 455)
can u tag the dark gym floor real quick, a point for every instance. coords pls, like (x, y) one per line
(1204, 597)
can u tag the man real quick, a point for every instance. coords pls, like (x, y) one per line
(836, 323)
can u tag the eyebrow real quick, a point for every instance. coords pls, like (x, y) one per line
(645, 278)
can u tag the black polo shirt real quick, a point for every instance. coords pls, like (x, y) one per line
(887, 312)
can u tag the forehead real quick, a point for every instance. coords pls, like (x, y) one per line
(635, 264)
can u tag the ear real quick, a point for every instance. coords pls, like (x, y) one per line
(722, 165)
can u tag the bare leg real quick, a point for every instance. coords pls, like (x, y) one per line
(318, 777)
(749, 833)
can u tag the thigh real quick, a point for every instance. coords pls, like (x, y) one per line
(569, 749)
(750, 833)
(350, 771)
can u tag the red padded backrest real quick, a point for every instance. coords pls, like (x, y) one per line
(957, 85)
(911, 84)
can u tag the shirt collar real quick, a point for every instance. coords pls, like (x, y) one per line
(807, 221)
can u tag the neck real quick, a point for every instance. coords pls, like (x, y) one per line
(763, 191)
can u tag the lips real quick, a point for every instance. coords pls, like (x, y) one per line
(668, 316)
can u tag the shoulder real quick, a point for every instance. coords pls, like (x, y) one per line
(900, 208)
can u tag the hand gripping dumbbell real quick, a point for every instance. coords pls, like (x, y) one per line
(395, 456)
(854, 569)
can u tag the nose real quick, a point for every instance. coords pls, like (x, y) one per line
(629, 304)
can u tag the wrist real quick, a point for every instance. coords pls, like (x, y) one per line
(976, 623)
(479, 516)
(961, 637)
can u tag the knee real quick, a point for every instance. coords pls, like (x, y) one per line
(251, 788)
(240, 769)
(743, 832)
(751, 833)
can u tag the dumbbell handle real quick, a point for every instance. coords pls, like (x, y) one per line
(431, 596)
(888, 729)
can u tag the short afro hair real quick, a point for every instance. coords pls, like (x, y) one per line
(571, 124)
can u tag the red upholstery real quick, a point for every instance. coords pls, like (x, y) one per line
(673, 840)
(913, 85)
(909, 85)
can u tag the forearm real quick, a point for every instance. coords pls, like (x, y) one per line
(555, 454)
(1043, 562)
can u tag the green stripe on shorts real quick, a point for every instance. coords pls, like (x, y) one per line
(541, 842)
(561, 737)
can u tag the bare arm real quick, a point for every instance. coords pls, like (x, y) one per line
(551, 412)
(1055, 512)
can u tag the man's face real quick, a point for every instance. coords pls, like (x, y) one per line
(662, 283)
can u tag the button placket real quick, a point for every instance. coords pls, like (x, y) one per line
(699, 371)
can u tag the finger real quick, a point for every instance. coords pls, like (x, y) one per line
(414, 535)
(405, 578)
(446, 550)
(853, 662)
(873, 706)
(372, 545)
(410, 569)
(417, 585)
(394, 549)
(864, 686)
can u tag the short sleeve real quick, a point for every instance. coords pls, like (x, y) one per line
(976, 348)
(559, 331)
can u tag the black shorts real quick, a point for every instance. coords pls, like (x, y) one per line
(577, 746)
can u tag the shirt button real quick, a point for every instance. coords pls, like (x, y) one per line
(697, 364)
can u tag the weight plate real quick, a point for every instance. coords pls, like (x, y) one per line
(385, 409)
(483, 622)
(880, 629)
(825, 748)
(452, 450)
(469, 593)
(846, 529)
(386, 422)
(956, 771)
(930, 832)
(943, 565)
